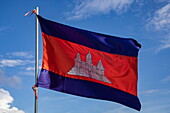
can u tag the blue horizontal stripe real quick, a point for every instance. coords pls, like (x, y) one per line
(88, 89)
(101, 42)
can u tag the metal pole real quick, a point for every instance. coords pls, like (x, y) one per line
(36, 61)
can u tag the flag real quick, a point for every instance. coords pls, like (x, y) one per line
(89, 64)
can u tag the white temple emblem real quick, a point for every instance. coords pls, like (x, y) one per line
(87, 68)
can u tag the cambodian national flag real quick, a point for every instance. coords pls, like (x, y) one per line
(89, 64)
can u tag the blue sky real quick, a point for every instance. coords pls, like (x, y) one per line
(147, 21)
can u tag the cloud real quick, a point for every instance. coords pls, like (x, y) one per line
(33, 68)
(159, 1)
(12, 63)
(12, 81)
(165, 43)
(28, 73)
(160, 19)
(5, 100)
(166, 79)
(30, 68)
(4, 28)
(13, 59)
(87, 8)
(21, 54)
(118, 110)
(139, 4)
(56, 99)
(150, 91)
(157, 91)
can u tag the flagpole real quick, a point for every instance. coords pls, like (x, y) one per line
(36, 61)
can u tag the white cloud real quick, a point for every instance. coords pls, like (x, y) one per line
(161, 18)
(159, 1)
(87, 8)
(165, 91)
(13, 59)
(12, 81)
(33, 68)
(150, 91)
(164, 43)
(12, 63)
(30, 68)
(161, 22)
(4, 28)
(68, 98)
(5, 100)
(21, 54)
(118, 110)
(28, 73)
(166, 79)
(140, 4)
(157, 91)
